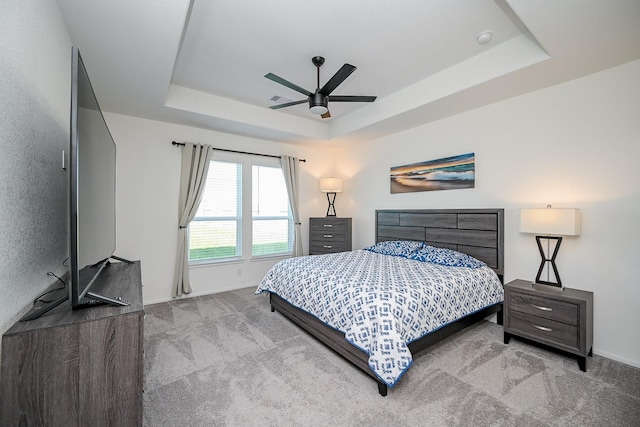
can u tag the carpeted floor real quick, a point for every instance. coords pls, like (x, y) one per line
(226, 360)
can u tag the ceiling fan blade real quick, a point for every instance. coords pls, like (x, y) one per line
(288, 84)
(349, 98)
(288, 104)
(337, 78)
(326, 115)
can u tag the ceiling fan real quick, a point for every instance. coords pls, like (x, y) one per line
(319, 100)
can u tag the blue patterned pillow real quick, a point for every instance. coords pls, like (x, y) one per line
(396, 247)
(443, 256)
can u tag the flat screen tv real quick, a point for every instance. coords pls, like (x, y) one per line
(92, 189)
(92, 196)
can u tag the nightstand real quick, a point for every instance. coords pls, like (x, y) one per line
(559, 318)
(329, 235)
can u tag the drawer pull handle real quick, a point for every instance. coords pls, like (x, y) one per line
(327, 246)
(539, 307)
(327, 236)
(327, 225)
(542, 328)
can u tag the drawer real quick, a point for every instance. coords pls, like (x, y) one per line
(547, 308)
(322, 225)
(543, 330)
(327, 247)
(328, 236)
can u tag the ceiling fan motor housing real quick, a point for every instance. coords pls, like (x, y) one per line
(318, 103)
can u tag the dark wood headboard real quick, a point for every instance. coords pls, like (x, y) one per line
(477, 232)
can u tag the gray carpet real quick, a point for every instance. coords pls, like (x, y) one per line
(226, 360)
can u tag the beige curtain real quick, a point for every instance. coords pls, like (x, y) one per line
(195, 165)
(290, 170)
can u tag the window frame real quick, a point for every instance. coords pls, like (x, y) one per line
(244, 227)
(239, 218)
(273, 163)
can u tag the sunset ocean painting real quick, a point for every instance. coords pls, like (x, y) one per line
(450, 173)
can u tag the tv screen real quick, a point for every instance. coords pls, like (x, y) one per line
(92, 198)
(92, 195)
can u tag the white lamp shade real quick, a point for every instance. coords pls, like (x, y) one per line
(331, 185)
(550, 221)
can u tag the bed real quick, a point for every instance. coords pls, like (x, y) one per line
(476, 232)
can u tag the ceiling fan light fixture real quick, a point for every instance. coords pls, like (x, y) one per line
(318, 109)
(318, 103)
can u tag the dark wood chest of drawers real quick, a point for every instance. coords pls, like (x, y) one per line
(78, 367)
(559, 318)
(329, 235)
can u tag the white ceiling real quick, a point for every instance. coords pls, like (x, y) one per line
(202, 62)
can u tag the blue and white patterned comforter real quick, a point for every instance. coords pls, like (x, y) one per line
(380, 302)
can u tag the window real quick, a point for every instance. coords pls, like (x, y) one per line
(272, 220)
(216, 230)
(224, 225)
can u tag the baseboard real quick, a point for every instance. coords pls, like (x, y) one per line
(617, 358)
(198, 294)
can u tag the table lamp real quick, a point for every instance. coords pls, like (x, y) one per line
(331, 186)
(550, 224)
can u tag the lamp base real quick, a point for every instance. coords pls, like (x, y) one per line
(331, 210)
(550, 263)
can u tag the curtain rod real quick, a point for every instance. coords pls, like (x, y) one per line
(239, 152)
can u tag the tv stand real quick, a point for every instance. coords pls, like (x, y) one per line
(78, 367)
(91, 299)
(117, 258)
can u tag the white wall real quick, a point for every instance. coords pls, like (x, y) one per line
(35, 75)
(572, 145)
(147, 197)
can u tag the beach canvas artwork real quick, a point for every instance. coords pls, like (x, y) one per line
(450, 173)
